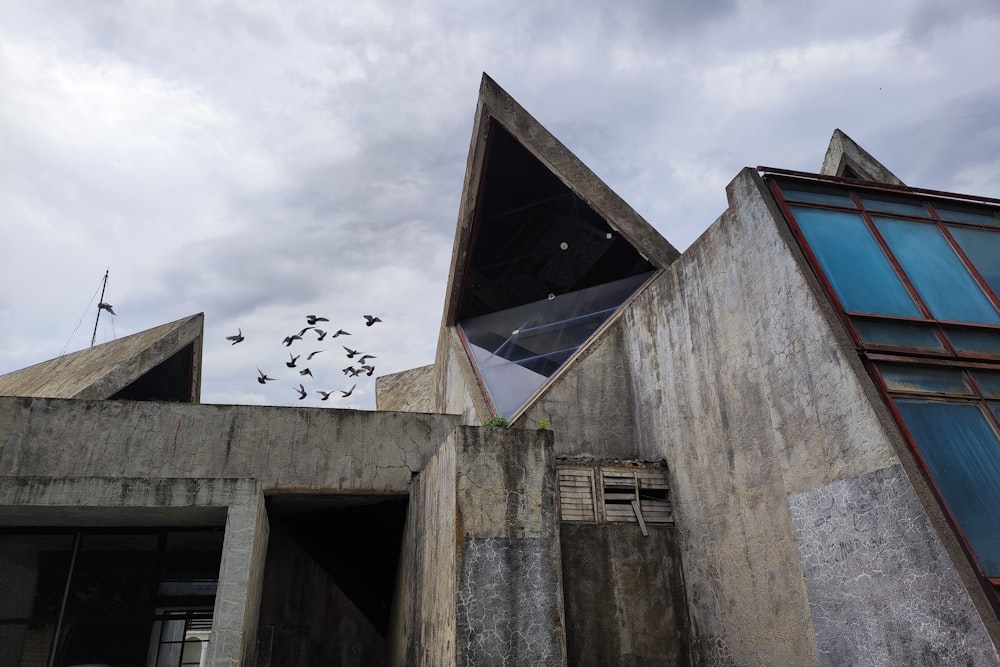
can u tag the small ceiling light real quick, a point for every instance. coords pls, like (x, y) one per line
(563, 245)
(608, 235)
(515, 332)
(551, 296)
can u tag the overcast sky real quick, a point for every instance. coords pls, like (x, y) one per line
(259, 161)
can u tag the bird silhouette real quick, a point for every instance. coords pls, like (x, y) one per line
(348, 392)
(291, 363)
(290, 339)
(321, 334)
(238, 338)
(366, 357)
(340, 332)
(370, 369)
(351, 353)
(370, 320)
(303, 332)
(325, 394)
(107, 307)
(306, 371)
(313, 354)
(313, 319)
(352, 371)
(302, 392)
(263, 378)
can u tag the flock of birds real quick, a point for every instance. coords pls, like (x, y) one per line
(358, 365)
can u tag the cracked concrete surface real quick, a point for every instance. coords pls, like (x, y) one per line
(882, 589)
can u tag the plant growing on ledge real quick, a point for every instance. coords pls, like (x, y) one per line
(543, 424)
(497, 422)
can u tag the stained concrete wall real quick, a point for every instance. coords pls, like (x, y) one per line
(624, 594)
(305, 619)
(753, 393)
(480, 580)
(294, 449)
(406, 391)
(456, 388)
(590, 404)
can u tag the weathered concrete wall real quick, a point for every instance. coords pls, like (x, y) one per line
(456, 389)
(422, 629)
(305, 619)
(480, 580)
(288, 448)
(510, 604)
(624, 593)
(591, 405)
(874, 524)
(406, 391)
(752, 392)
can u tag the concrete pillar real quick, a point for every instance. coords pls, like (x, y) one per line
(241, 576)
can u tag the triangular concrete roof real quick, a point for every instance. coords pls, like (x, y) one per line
(102, 371)
(844, 156)
(495, 105)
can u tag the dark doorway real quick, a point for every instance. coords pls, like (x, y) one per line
(330, 578)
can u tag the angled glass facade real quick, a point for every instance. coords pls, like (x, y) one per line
(916, 278)
(545, 272)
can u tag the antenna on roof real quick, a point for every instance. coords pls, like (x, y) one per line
(101, 306)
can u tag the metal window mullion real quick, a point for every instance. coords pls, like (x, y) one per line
(970, 267)
(901, 274)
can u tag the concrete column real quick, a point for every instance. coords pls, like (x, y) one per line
(237, 602)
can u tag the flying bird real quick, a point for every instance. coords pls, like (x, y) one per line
(303, 332)
(322, 334)
(370, 320)
(325, 394)
(263, 378)
(313, 354)
(238, 338)
(351, 353)
(366, 357)
(370, 369)
(313, 319)
(352, 371)
(291, 364)
(302, 392)
(306, 371)
(348, 392)
(290, 339)
(340, 332)
(107, 307)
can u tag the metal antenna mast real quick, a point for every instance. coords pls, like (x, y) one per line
(104, 286)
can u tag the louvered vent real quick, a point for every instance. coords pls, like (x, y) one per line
(576, 494)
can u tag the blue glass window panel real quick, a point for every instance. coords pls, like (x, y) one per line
(974, 341)
(962, 453)
(900, 377)
(989, 382)
(897, 334)
(853, 262)
(890, 206)
(941, 279)
(831, 198)
(517, 349)
(972, 217)
(982, 247)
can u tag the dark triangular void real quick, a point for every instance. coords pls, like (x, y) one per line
(545, 272)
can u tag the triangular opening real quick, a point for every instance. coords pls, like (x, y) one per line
(544, 272)
(168, 381)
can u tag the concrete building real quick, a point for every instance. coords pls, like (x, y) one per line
(777, 448)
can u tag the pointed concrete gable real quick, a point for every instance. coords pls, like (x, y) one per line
(162, 363)
(844, 157)
(545, 253)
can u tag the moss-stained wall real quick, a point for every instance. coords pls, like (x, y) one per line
(480, 576)
(752, 393)
(624, 595)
